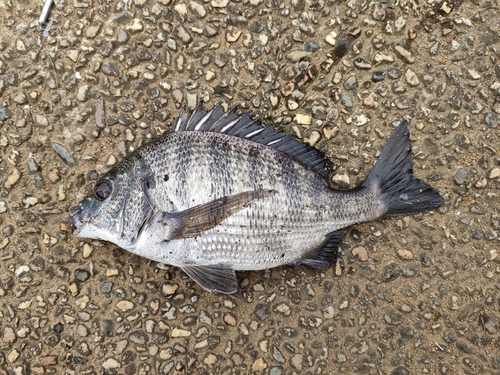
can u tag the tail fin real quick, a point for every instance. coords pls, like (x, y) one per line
(392, 179)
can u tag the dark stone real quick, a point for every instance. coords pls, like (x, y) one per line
(142, 54)
(491, 119)
(32, 166)
(8, 230)
(107, 48)
(210, 32)
(82, 275)
(457, 97)
(138, 337)
(160, 338)
(262, 311)
(111, 69)
(79, 360)
(391, 273)
(58, 328)
(346, 101)
(124, 119)
(106, 327)
(378, 76)
(63, 153)
(469, 310)
(198, 48)
(465, 347)
(131, 60)
(362, 63)
(490, 38)
(394, 73)
(127, 106)
(256, 27)
(477, 208)
(400, 371)
(5, 113)
(351, 82)
(461, 175)
(311, 46)
(341, 46)
(106, 287)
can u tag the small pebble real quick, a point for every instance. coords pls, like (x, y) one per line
(110, 363)
(303, 119)
(331, 38)
(378, 12)
(112, 272)
(81, 275)
(259, 365)
(5, 114)
(461, 175)
(411, 78)
(82, 302)
(230, 319)
(341, 180)
(41, 120)
(361, 253)
(178, 332)
(490, 325)
(54, 175)
(63, 153)
(297, 361)
(405, 254)
(346, 101)
(494, 173)
(210, 359)
(30, 201)
(169, 289)
(87, 250)
(12, 178)
(125, 305)
(106, 287)
(219, 3)
(13, 355)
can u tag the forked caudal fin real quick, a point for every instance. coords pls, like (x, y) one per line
(392, 179)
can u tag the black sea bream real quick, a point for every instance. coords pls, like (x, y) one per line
(222, 193)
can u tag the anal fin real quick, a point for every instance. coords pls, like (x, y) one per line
(327, 253)
(215, 278)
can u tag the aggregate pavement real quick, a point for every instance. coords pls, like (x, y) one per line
(409, 295)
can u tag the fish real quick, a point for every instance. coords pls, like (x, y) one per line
(221, 192)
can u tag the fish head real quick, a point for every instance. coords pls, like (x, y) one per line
(118, 206)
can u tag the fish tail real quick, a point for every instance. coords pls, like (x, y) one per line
(392, 179)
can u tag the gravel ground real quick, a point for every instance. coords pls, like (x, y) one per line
(418, 294)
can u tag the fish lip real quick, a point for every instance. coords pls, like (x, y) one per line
(78, 217)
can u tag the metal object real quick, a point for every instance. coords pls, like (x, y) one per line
(47, 29)
(45, 12)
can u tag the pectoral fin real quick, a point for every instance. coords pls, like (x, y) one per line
(198, 219)
(215, 279)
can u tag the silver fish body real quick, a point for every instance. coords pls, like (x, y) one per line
(221, 193)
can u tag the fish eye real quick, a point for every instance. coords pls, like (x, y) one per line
(102, 190)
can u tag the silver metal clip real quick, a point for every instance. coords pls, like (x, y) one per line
(45, 12)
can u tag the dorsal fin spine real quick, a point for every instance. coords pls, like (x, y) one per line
(243, 126)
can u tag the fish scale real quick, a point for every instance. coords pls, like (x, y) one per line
(220, 193)
(292, 210)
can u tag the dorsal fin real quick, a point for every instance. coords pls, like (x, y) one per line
(243, 126)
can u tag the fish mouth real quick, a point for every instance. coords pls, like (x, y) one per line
(78, 217)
